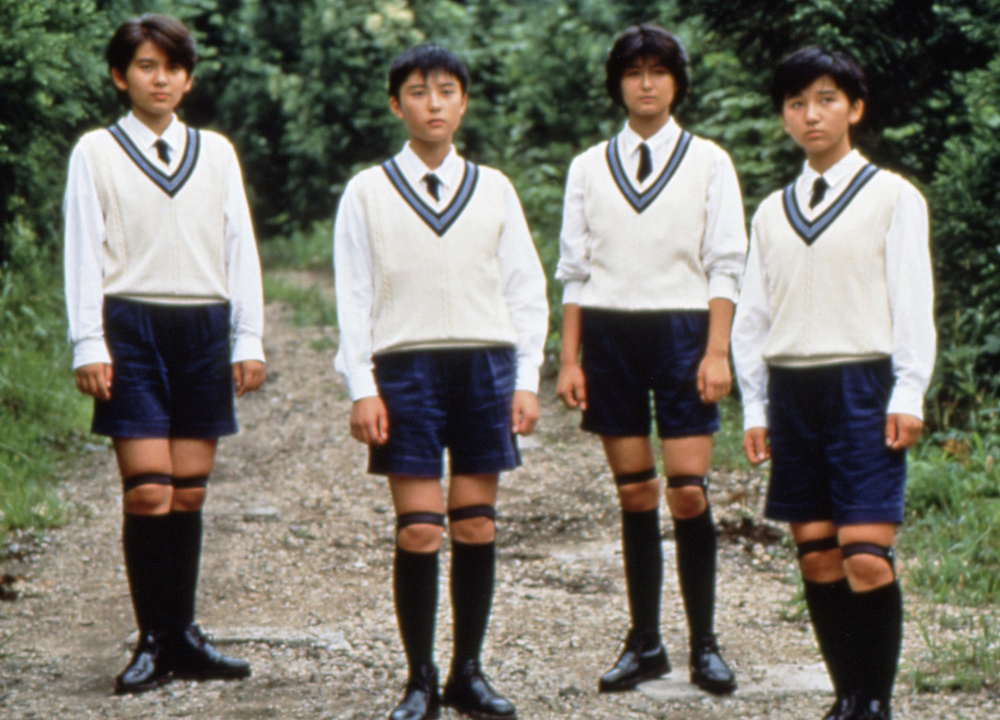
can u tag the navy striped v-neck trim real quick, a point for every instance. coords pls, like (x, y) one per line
(438, 222)
(810, 230)
(641, 200)
(170, 184)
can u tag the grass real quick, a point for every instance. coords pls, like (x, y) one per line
(42, 416)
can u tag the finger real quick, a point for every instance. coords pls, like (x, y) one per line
(581, 396)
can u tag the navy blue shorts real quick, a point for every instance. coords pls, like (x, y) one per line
(172, 371)
(828, 455)
(458, 399)
(628, 354)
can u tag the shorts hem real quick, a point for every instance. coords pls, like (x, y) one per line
(140, 431)
(860, 516)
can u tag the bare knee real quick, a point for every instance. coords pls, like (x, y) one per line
(188, 499)
(640, 496)
(686, 502)
(149, 499)
(473, 531)
(867, 572)
(822, 567)
(420, 538)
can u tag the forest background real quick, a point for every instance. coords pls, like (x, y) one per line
(299, 87)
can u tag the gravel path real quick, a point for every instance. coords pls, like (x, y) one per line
(295, 578)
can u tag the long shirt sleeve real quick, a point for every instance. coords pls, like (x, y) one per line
(750, 328)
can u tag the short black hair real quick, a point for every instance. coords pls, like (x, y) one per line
(167, 33)
(646, 40)
(425, 59)
(801, 68)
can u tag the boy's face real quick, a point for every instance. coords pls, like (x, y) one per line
(155, 85)
(819, 119)
(431, 105)
(648, 89)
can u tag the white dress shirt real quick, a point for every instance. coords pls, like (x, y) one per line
(523, 281)
(85, 236)
(909, 281)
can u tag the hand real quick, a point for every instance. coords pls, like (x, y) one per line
(756, 446)
(571, 387)
(370, 421)
(94, 380)
(523, 412)
(714, 378)
(902, 431)
(248, 375)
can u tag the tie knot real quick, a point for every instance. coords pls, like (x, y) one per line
(645, 162)
(162, 150)
(433, 183)
(818, 192)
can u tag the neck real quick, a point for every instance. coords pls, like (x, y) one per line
(821, 162)
(647, 127)
(156, 123)
(431, 154)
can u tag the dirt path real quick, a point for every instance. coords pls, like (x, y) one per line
(296, 579)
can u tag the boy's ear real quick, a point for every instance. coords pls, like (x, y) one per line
(118, 79)
(857, 111)
(395, 107)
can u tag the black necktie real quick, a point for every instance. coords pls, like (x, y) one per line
(645, 162)
(819, 192)
(433, 183)
(162, 150)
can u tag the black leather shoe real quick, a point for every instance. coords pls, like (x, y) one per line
(422, 699)
(191, 657)
(843, 708)
(643, 658)
(147, 669)
(873, 710)
(469, 692)
(708, 670)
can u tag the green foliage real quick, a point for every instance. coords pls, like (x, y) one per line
(963, 652)
(964, 199)
(40, 410)
(953, 501)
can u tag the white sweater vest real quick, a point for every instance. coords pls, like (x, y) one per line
(165, 235)
(437, 287)
(651, 259)
(826, 280)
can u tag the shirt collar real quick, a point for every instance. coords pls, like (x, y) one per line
(449, 172)
(174, 135)
(665, 137)
(846, 167)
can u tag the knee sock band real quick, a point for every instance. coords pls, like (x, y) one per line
(190, 482)
(419, 518)
(818, 545)
(679, 481)
(131, 483)
(472, 511)
(865, 548)
(635, 477)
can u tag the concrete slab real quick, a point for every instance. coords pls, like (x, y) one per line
(771, 681)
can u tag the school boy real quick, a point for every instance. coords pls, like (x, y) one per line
(834, 347)
(442, 313)
(161, 271)
(652, 245)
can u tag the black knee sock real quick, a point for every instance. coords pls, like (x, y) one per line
(696, 549)
(643, 555)
(473, 575)
(147, 551)
(415, 589)
(828, 605)
(186, 533)
(879, 613)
